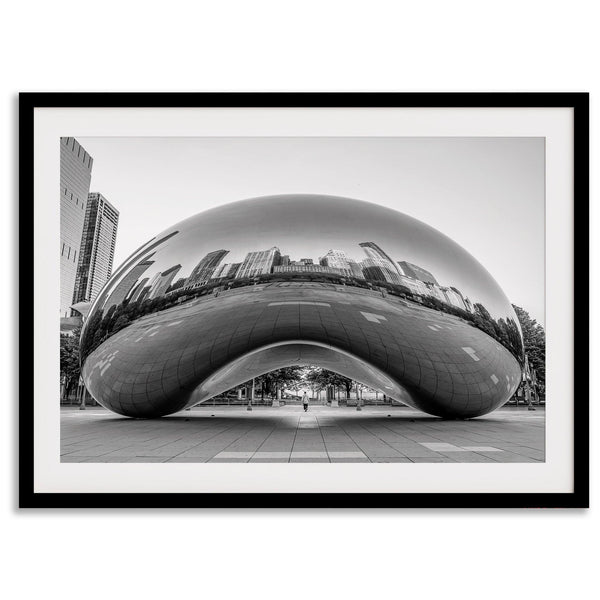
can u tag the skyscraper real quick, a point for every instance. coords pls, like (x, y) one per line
(126, 284)
(373, 251)
(259, 263)
(227, 270)
(416, 272)
(75, 175)
(163, 282)
(206, 267)
(137, 290)
(337, 259)
(355, 269)
(377, 269)
(416, 286)
(454, 297)
(97, 250)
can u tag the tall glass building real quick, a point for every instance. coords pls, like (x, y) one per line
(417, 272)
(204, 270)
(260, 262)
(97, 249)
(75, 175)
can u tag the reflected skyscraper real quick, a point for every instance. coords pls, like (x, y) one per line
(163, 281)
(337, 259)
(415, 285)
(259, 263)
(97, 248)
(75, 175)
(455, 298)
(227, 270)
(137, 290)
(301, 267)
(204, 269)
(416, 272)
(127, 283)
(373, 251)
(377, 269)
(147, 251)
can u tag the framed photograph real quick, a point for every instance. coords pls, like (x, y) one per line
(296, 300)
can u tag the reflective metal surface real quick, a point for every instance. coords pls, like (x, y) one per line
(254, 285)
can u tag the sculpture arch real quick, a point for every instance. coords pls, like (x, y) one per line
(347, 285)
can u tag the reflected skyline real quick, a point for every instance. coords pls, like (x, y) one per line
(356, 287)
(487, 194)
(377, 267)
(250, 236)
(316, 238)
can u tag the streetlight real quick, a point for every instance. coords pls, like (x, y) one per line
(79, 390)
(251, 397)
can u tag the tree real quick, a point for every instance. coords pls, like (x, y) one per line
(534, 338)
(278, 379)
(69, 361)
(321, 378)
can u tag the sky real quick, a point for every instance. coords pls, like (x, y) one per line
(487, 194)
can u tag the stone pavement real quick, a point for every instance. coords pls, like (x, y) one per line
(287, 434)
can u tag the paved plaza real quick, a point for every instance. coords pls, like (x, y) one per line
(287, 434)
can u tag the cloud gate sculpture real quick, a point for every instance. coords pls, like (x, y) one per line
(256, 285)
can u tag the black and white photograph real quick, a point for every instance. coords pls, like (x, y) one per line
(300, 300)
(335, 299)
(287, 300)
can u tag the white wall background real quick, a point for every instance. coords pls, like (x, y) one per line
(313, 46)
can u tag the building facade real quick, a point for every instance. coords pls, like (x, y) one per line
(163, 281)
(97, 251)
(128, 282)
(307, 268)
(337, 259)
(226, 271)
(416, 272)
(416, 286)
(454, 297)
(377, 269)
(207, 265)
(374, 251)
(259, 263)
(75, 176)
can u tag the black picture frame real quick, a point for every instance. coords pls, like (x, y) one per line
(579, 498)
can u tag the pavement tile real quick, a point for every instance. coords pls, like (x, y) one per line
(271, 455)
(282, 434)
(346, 454)
(432, 459)
(441, 447)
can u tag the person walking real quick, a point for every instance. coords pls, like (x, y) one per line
(305, 401)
